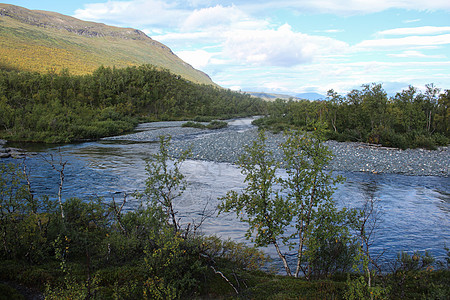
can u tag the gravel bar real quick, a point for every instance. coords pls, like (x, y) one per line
(351, 157)
(226, 145)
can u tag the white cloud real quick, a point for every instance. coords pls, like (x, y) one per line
(342, 77)
(198, 58)
(173, 13)
(424, 30)
(414, 54)
(213, 17)
(350, 7)
(238, 44)
(280, 47)
(136, 12)
(409, 41)
(412, 21)
(191, 37)
(333, 30)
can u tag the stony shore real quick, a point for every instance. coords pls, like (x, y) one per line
(227, 145)
(7, 152)
(353, 157)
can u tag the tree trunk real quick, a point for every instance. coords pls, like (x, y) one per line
(283, 258)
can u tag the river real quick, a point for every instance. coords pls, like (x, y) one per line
(414, 210)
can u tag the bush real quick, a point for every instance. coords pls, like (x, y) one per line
(351, 135)
(211, 125)
(194, 125)
(217, 125)
(9, 293)
(203, 119)
(424, 141)
(440, 139)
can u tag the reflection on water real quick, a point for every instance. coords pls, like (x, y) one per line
(415, 211)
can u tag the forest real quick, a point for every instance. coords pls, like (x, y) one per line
(63, 108)
(409, 119)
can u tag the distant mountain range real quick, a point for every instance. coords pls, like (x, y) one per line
(295, 96)
(41, 41)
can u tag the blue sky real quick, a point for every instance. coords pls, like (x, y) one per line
(290, 46)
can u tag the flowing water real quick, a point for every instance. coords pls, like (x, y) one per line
(414, 211)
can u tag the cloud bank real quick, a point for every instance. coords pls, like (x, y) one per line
(244, 43)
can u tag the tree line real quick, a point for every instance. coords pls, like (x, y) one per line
(60, 107)
(409, 119)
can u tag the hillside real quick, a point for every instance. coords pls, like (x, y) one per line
(41, 41)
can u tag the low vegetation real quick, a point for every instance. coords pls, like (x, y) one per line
(74, 249)
(211, 125)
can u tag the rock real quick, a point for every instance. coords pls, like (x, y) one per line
(5, 155)
(11, 152)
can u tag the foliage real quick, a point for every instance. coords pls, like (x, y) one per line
(212, 125)
(323, 240)
(299, 211)
(97, 251)
(415, 262)
(194, 125)
(358, 288)
(409, 119)
(165, 181)
(64, 108)
(9, 293)
(217, 125)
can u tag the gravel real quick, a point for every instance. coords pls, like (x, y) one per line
(352, 157)
(226, 145)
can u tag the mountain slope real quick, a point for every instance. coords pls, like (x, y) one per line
(42, 41)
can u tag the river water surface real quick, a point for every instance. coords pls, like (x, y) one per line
(414, 210)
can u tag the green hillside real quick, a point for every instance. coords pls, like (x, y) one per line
(42, 41)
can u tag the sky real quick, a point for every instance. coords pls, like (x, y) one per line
(290, 46)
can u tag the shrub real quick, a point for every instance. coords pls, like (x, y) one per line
(194, 125)
(423, 141)
(217, 125)
(211, 125)
(9, 293)
(440, 139)
(203, 119)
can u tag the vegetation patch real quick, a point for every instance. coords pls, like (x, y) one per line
(211, 125)
(409, 119)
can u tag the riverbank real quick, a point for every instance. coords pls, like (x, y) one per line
(6, 152)
(226, 146)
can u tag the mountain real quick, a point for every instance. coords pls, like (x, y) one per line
(40, 41)
(310, 96)
(298, 96)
